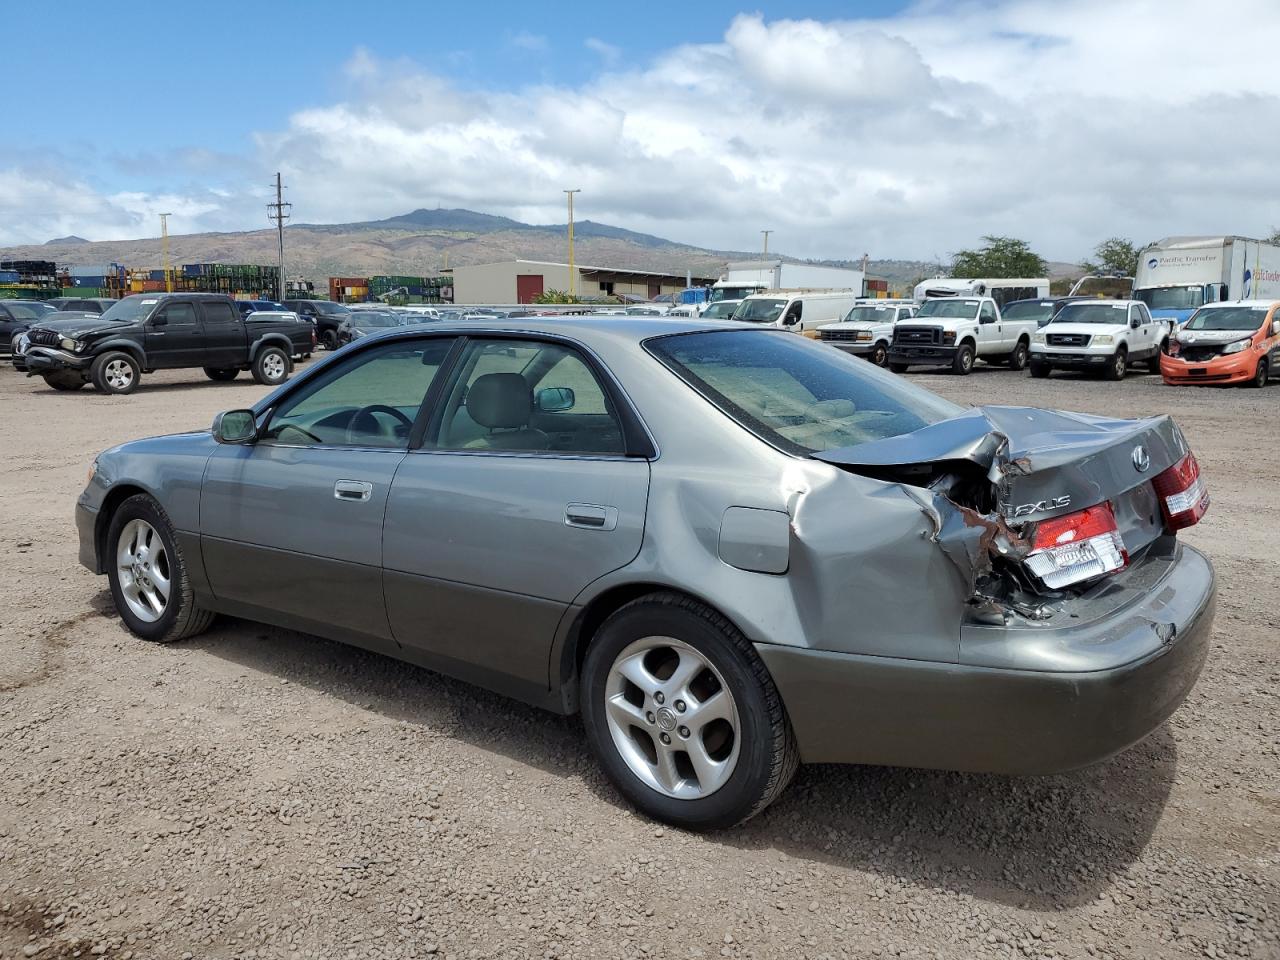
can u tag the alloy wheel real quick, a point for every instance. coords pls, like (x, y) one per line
(672, 718)
(273, 366)
(118, 374)
(142, 565)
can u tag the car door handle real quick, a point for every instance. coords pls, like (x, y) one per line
(592, 516)
(354, 490)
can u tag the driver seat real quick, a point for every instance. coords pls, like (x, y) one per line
(503, 402)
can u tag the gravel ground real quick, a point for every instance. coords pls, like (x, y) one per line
(260, 793)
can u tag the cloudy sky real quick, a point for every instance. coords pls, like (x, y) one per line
(900, 130)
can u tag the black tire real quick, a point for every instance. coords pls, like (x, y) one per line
(271, 366)
(963, 360)
(182, 616)
(1261, 375)
(767, 752)
(1040, 370)
(1018, 359)
(65, 381)
(221, 374)
(898, 367)
(1153, 365)
(329, 339)
(115, 372)
(879, 354)
(1118, 365)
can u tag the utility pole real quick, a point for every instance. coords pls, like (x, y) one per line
(766, 241)
(570, 194)
(279, 212)
(164, 251)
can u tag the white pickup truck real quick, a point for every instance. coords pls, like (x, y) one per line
(867, 329)
(1102, 335)
(954, 332)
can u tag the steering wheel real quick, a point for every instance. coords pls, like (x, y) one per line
(354, 435)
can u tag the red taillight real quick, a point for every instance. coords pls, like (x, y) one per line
(1079, 546)
(1183, 496)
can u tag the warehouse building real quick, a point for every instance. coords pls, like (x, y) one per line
(520, 281)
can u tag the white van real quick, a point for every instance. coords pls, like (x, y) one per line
(800, 311)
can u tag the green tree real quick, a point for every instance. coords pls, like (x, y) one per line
(1114, 255)
(998, 257)
(1275, 236)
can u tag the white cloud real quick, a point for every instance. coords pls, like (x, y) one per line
(1061, 122)
(604, 50)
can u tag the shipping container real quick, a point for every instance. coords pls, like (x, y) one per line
(8, 276)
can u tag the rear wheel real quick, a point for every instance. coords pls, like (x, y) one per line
(148, 574)
(1261, 375)
(329, 339)
(963, 361)
(1040, 370)
(879, 355)
(66, 381)
(115, 372)
(1118, 365)
(271, 366)
(1018, 359)
(683, 715)
(222, 374)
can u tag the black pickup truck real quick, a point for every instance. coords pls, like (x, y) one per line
(163, 331)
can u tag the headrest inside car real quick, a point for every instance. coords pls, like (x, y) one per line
(500, 400)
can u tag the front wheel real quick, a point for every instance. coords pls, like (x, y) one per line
(1261, 375)
(115, 372)
(1018, 359)
(148, 574)
(898, 367)
(683, 715)
(963, 362)
(1117, 365)
(271, 367)
(329, 340)
(222, 374)
(64, 381)
(1040, 370)
(880, 355)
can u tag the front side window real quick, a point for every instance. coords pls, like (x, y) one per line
(530, 396)
(988, 313)
(369, 401)
(794, 393)
(176, 315)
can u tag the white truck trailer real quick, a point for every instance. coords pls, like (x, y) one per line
(745, 277)
(1178, 275)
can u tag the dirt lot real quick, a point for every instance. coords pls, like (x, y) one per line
(259, 793)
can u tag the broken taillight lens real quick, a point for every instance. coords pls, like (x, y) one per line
(1183, 496)
(1079, 546)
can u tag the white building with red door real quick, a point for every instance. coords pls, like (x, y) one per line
(520, 281)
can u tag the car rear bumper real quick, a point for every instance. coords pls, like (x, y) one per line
(1236, 368)
(951, 716)
(931, 356)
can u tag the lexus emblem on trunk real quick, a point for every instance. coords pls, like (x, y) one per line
(1141, 459)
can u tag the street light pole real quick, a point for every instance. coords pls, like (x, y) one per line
(164, 251)
(570, 194)
(766, 241)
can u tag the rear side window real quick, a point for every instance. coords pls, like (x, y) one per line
(219, 313)
(796, 394)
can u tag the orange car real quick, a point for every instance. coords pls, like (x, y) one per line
(1231, 342)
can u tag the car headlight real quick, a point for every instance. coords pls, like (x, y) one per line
(67, 344)
(1235, 347)
(948, 336)
(1103, 339)
(863, 336)
(1037, 338)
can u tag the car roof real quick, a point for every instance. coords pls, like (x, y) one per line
(589, 329)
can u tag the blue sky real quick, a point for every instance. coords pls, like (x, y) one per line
(895, 130)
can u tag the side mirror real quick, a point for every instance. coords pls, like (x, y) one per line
(790, 320)
(1134, 323)
(235, 426)
(554, 399)
(1275, 328)
(161, 321)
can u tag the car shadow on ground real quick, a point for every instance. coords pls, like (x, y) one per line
(1045, 843)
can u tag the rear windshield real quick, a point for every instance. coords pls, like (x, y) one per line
(1227, 318)
(1108, 313)
(795, 393)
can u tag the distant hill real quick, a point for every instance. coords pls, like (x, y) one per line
(420, 243)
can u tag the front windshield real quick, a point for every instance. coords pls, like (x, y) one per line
(331, 309)
(1227, 318)
(950, 309)
(1108, 313)
(1038, 310)
(730, 293)
(1171, 298)
(796, 394)
(31, 311)
(720, 311)
(871, 315)
(759, 311)
(374, 318)
(130, 309)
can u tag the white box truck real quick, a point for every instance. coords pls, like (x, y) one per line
(745, 277)
(1178, 275)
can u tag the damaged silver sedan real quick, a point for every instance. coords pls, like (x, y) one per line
(731, 550)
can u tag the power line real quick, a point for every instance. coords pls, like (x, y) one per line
(279, 212)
